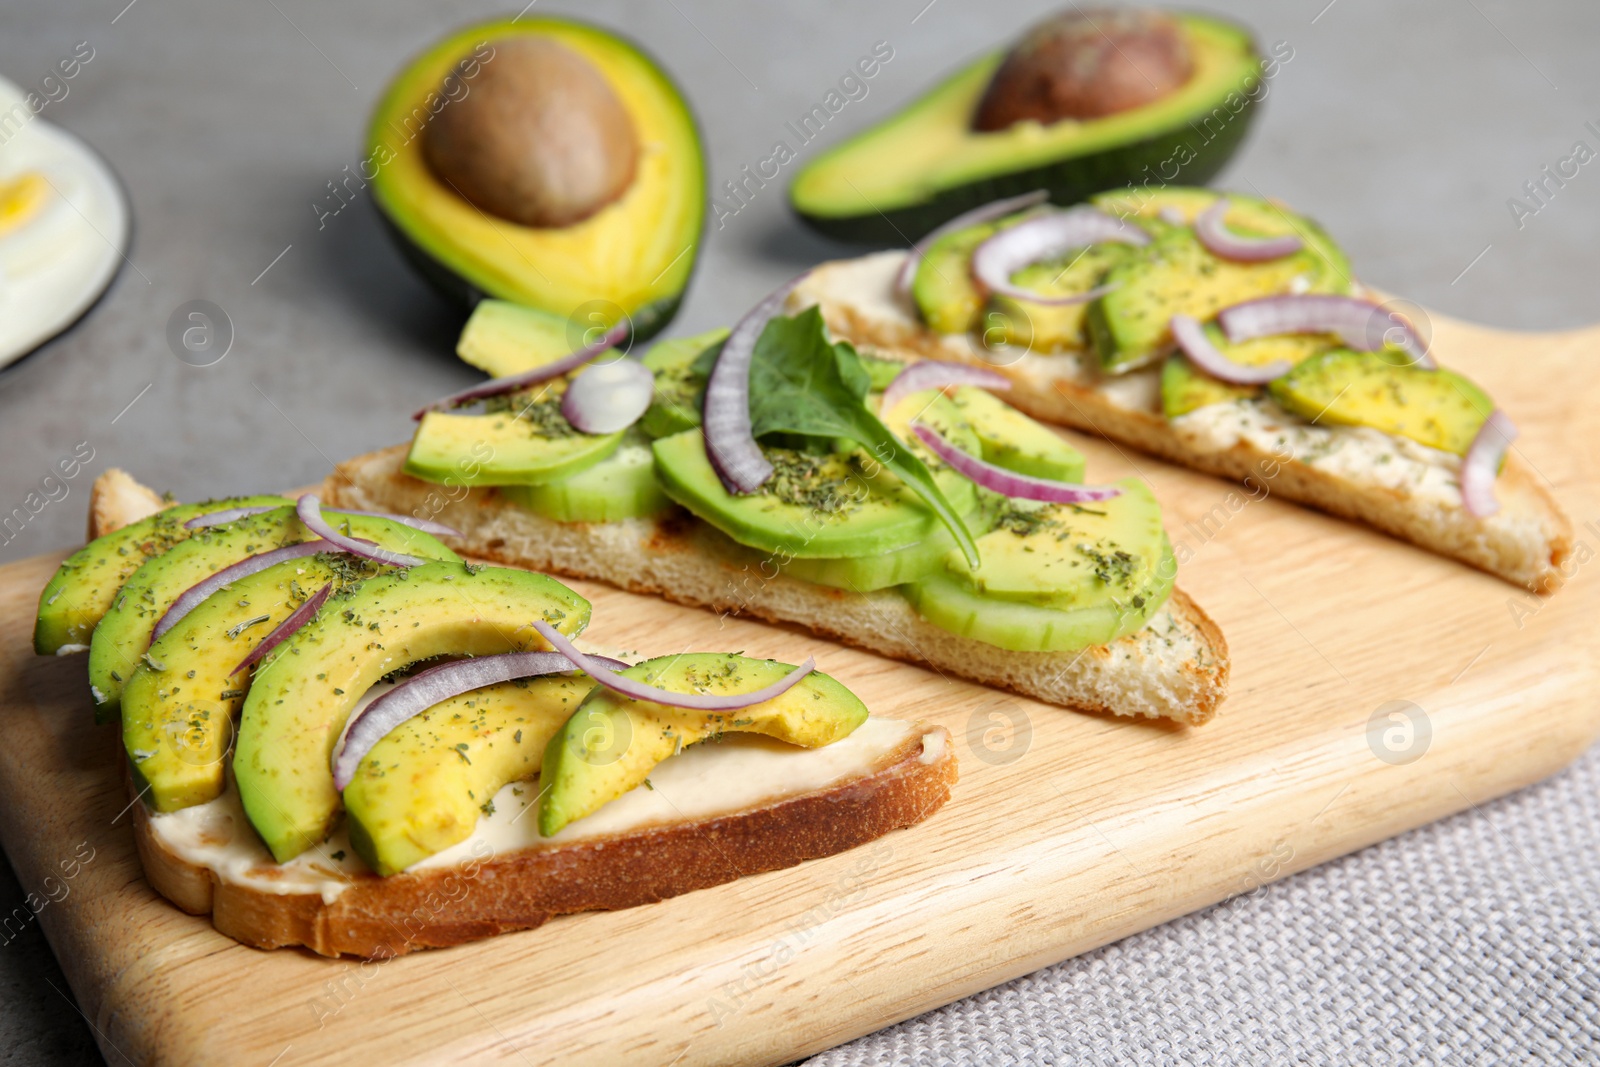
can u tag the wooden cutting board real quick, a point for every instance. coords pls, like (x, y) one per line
(1375, 688)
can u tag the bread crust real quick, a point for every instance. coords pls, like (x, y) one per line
(379, 918)
(1175, 668)
(1529, 542)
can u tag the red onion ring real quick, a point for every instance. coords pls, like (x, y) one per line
(285, 629)
(434, 686)
(1007, 483)
(1191, 337)
(935, 374)
(997, 209)
(202, 589)
(1481, 465)
(1350, 318)
(510, 384)
(1212, 230)
(609, 396)
(634, 690)
(219, 518)
(730, 442)
(309, 509)
(1044, 237)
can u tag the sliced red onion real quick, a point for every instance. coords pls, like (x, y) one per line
(500, 386)
(1191, 337)
(285, 629)
(1008, 483)
(609, 396)
(219, 518)
(1481, 465)
(635, 690)
(1212, 230)
(1351, 319)
(997, 209)
(935, 374)
(309, 508)
(226, 515)
(730, 442)
(191, 597)
(1046, 237)
(434, 686)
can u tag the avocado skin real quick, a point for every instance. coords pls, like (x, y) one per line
(1069, 181)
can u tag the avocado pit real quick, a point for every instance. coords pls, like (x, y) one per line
(540, 139)
(1086, 65)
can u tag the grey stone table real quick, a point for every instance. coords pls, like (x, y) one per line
(1405, 129)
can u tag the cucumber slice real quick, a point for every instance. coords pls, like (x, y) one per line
(621, 486)
(881, 570)
(952, 604)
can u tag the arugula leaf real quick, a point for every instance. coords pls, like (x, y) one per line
(800, 383)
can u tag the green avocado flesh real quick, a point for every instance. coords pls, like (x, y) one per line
(179, 705)
(85, 585)
(423, 787)
(124, 632)
(1012, 440)
(621, 486)
(925, 165)
(529, 442)
(1175, 274)
(611, 743)
(676, 404)
(1186, 388)
(1437, 408)
(840, 504)
(502, 338)
(632, 258)
(946, 295)
(1056, 577)
(304, 692)
(1048, 328)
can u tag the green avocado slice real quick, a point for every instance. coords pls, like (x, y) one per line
(86, 583)
(180, 703)
(1175, 274)
(679, 382)
(611, 743)
(1186, 388)
(422, 788)
(124, 632)
(305, 691)
(527, 442)
(631, 259)
(1437, 408)
(924, 165)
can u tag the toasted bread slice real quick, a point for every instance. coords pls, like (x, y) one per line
(1525, 542)
(887, 775)
(1174, 668)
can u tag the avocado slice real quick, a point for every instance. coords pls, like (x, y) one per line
(621, 486)
(502, 338)
(523, 440)
(1016, 442)
(1056, 577)
(611, 743)
(925, 165)
(632, 258)
(180, 703)
(838, 504)
(85, 585)
(1437, 408)
(422, 788)
(1175, 274)
(680, 381)
(1186, 388)
(301, 697)
(124, 632)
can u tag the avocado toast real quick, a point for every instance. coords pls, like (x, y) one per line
(862, 531)
(421, 756)
(1310, 384)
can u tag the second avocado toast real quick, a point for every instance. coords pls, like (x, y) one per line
(913, 515)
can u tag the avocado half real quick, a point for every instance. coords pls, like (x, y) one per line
(636, 253)
(925, 165)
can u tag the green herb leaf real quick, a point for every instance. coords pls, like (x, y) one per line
(800, 383)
